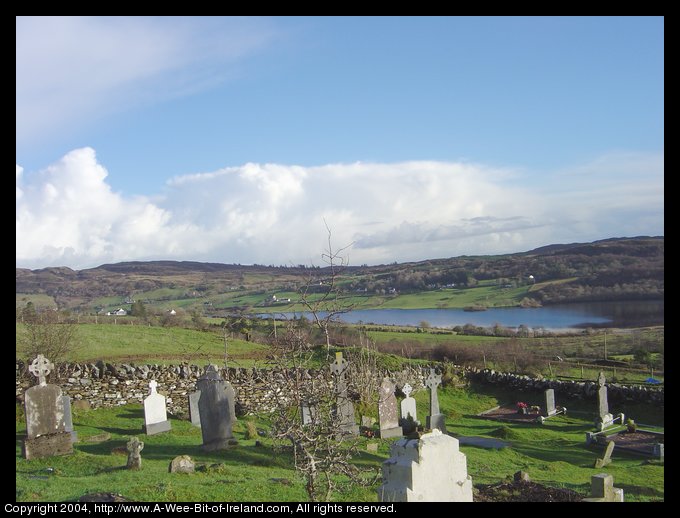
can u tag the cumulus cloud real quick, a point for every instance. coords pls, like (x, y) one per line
(74, 70)
(67, 214)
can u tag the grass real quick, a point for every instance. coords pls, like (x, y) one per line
(554, 454)
(157, 344)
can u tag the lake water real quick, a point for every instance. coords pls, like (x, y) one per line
(557, 317)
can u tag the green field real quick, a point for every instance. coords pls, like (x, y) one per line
(553, 454)
(141, 343)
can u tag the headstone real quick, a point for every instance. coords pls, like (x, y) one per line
(216, 407)
(46, 433)
(308, 413)
(603, 490)
(344, 409)
(657, 450)
(68, 419)
(372, 447)
(194, 415)
(436, 419)
(134, 448)
(549, 408)
(429, 469)
(607, 458)
(387, 411)
(604, 418)
(155, 414)
(182, 464)
(409, 418)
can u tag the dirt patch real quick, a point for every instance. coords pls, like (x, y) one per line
(523, 492)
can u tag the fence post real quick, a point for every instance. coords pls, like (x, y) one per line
(582, 371)
(484, 356)
(551, 371)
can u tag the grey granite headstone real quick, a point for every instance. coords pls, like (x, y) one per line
(68, 419)
(607, 458)
(409, 418)
(604, 418)
(603, 490)
(46, 433)
(134, 448)
(344, 409)
(387, 411)
(436, 419)
(549, 409)
(216, 407)
(155, 413)
(194, 415)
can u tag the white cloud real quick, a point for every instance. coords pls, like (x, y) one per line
(68, 215)
(72, 71)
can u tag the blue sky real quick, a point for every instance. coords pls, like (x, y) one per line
(232, 140)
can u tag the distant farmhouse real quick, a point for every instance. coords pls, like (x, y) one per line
(119, 312)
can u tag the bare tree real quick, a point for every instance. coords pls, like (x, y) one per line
(327, 308)
(321, 453)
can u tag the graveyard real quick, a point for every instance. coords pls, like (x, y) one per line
(248, 466)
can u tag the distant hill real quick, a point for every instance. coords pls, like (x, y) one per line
(609, 269)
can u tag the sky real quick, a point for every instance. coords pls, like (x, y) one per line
(261, 140)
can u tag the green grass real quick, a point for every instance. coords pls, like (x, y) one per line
(158, 344)
(554, 454)
(39, 300)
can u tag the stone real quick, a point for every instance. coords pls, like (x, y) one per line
(387, 411)
(344, 409)
(134, 447)
(603, 490)
(436, 420)
(155, 413)
(68, 419)
(372, 447)
(46, 433)
(308, 413)
(194, 415)
(521, 476)
(658, 450)
(607, 458)
(216, 406)
(182, 464)
(429, 469)
(47, 445)
(100, 437)
(549, 408)
(409, 418)
(367, 421)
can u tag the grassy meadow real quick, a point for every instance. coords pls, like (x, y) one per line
(554, 454)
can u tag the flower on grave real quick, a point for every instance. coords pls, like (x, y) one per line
(521, 404)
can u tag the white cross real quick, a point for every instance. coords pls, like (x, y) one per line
(407, 389)
(152, 386)
(40, 368)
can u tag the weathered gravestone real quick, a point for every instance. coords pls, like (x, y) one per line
(603, 490)
(429, 469)
(344, 409)
(155, 413)
(194, 415)
(308, 413)
(436, 419)
(216, 407)
(134, 448)
(409, 419)
(387, 411)
(604, 418)
(46, 433)
(68, 419)
(607, 457)
(182, 464)
(549, 408)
